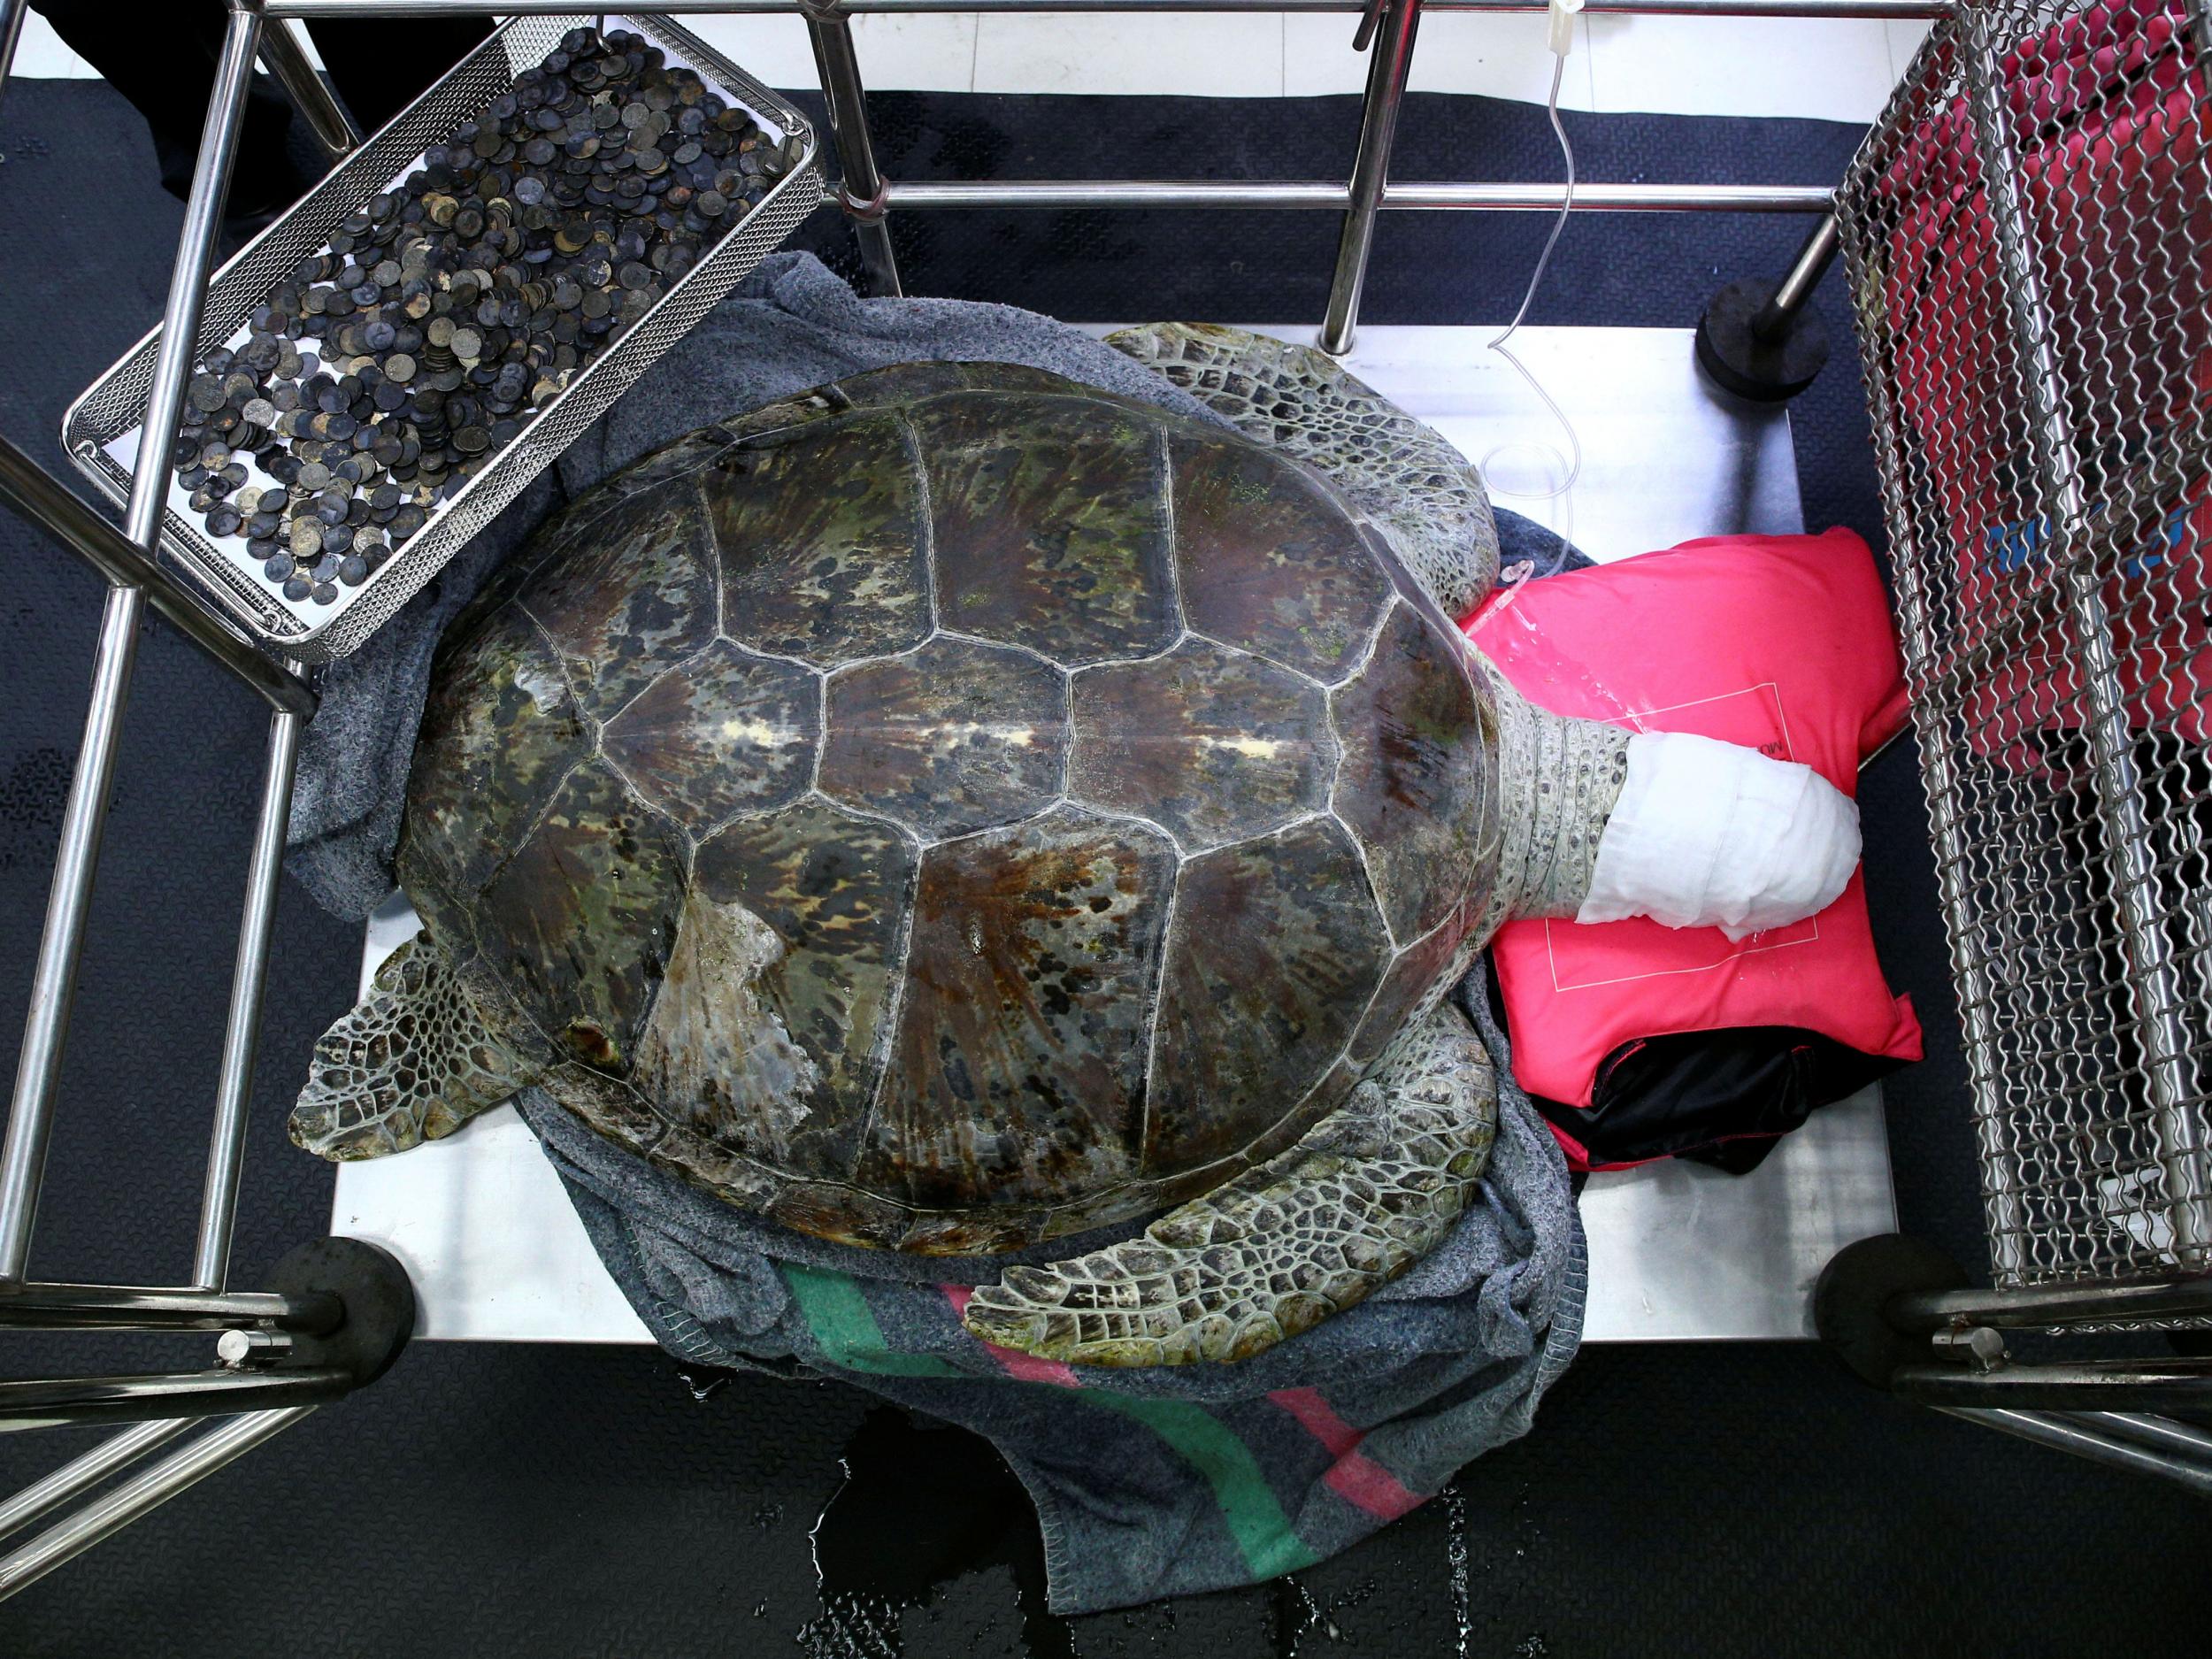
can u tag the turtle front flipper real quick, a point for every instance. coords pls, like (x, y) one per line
(1420, 492)
(1370, 1190)
(410, 1062)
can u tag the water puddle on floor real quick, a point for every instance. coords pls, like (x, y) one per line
(929, 1546)
(921, 1509)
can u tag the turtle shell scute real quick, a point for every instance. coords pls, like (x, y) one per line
(954, 809)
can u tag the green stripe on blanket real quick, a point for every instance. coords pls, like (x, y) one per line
(845, 1329)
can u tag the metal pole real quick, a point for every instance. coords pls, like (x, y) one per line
(27, 489)
(860, 186)
(2165, 1384)
(2071, 1433)
(2037, 1307)
(285, 58)
(73, 1480)
(2181, 1439)
(1277, 195)
(1390, 54)
(53, 985)
(2005, 1221)
(2154, 983)
(1117, 193)
(52, 1402)
(218, 1203)
(159, 1307)
(12, 13)
(109, 1514)
(1798, 283)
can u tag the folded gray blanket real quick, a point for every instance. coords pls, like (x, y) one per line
(1147, 1483)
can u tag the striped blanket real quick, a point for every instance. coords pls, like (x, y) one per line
(1147, 1484)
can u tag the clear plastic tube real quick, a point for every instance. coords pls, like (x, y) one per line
(1561, 492)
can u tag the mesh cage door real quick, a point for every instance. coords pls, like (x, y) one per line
(2029, 236)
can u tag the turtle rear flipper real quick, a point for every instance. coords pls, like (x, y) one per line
(410, 1062)
(1423, 494)
(1370, 1190)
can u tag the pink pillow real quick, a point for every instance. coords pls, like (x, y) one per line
(1781, 642)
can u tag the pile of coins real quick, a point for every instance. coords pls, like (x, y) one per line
(448, 311)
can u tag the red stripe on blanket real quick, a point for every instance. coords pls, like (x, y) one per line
(1354, 1477)
(1020, 1366)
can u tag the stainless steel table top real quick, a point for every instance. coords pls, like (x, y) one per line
(1676, 1251)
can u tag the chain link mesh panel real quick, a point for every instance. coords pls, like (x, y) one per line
(116, 403)
(2028, 232)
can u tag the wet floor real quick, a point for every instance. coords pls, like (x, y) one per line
(928, 1545)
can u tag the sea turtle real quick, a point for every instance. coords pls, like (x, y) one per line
(959, 808)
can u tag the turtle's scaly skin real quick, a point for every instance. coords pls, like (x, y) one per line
(414, 1009)
(955, 808)
(1397, 470)
(1366, 1194)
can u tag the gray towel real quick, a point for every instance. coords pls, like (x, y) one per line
(1147, 1483)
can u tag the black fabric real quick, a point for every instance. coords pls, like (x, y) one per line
(493, 1499)
(1718, 1097)
(379, 66)
(162, 57)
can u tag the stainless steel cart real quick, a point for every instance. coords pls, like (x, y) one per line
(2028, 233)
(335, 1316)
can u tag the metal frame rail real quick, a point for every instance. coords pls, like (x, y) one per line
(340, 1312)
(1388, 28)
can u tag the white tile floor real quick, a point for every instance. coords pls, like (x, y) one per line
(1828, 69)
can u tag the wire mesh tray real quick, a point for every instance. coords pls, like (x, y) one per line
(100, 428)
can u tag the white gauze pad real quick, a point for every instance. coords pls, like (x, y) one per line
(1712, 834)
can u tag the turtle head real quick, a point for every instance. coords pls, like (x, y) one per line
(1602, 823)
